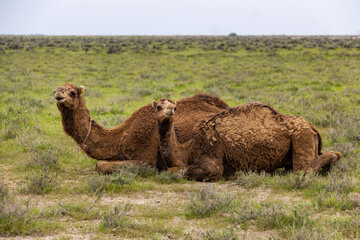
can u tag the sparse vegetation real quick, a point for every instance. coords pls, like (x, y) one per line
(49, 184)
(116, 219)
(207, 203)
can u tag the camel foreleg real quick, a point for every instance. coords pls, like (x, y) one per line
(107, 167)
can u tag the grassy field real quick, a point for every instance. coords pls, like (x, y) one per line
(48, 187)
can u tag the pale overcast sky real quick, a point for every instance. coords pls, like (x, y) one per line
(180, 17)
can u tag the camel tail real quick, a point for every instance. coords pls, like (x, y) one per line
(320, 140)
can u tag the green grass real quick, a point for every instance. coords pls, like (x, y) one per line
(53, 190)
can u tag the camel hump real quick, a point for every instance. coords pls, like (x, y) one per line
(257, 108)
(212, 100)
(248, 107)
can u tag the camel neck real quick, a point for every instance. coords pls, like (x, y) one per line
(165, 128)
(76, 123)
(173, 153)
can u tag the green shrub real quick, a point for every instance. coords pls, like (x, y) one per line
(265, 214)
(143, 170)
(122, 177)
(97, 183)
(226, 234)
(15, 217)
(167, 178)
(250, 179)
(116, 219)
(207, 203)
(335, 200)
(81, 211)
(40, 182)
(298, 180)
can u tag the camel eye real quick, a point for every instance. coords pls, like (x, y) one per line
(73, 94)
(175, 109)
(158, 108)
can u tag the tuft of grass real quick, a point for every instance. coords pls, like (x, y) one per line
(3, 192)
(97, 184)
(167, 178)
(116, 219)
(44, 159)
(348, 226)
(250, 179)
(208, 202)
(298, 180)
(40, 182)
(143, 170)
(16, 217)
(335, 200)
(81, 211)
(125, 180)
(266, 215)
(122, 177)
(226, 234)
(340, 183)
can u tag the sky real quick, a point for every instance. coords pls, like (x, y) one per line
(180, 17)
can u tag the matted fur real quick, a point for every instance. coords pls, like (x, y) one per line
(252, 136)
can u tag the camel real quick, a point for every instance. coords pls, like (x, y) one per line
(136, 140)
(252, 136)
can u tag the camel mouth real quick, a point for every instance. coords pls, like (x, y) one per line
(60, 99)
(169, 114)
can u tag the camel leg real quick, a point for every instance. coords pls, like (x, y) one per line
(108, 167)
(207, 169)
(175, 169)
(325, 160)
(305, 157)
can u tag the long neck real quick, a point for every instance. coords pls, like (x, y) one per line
(99, 144)
(174, 153)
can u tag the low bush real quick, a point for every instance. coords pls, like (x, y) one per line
(15, 216)
(266, 215)
(250, 179)
(41, 182)
(116, 219)
(207, 203)
(167, 178)
(226, 234)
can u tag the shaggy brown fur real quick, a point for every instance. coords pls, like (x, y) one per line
(137, 139)
(250, 137)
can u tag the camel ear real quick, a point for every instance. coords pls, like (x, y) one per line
(81, 90)
(153, 103)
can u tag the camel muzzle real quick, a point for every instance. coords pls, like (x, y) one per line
(59, 98)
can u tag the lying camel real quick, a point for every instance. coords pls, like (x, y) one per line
(252, 136)
(136, 140)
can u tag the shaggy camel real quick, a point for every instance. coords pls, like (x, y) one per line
(136, 140)
(252, 136)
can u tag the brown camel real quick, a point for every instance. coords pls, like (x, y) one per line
(252, 136)
(136, 140)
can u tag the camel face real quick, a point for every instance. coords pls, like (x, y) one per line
(68, 96)
(165, 109)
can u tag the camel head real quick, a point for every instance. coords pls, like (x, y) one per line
(164, 109)
(68, 96)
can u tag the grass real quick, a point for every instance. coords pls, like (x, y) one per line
(208, 202)
(53, 190)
